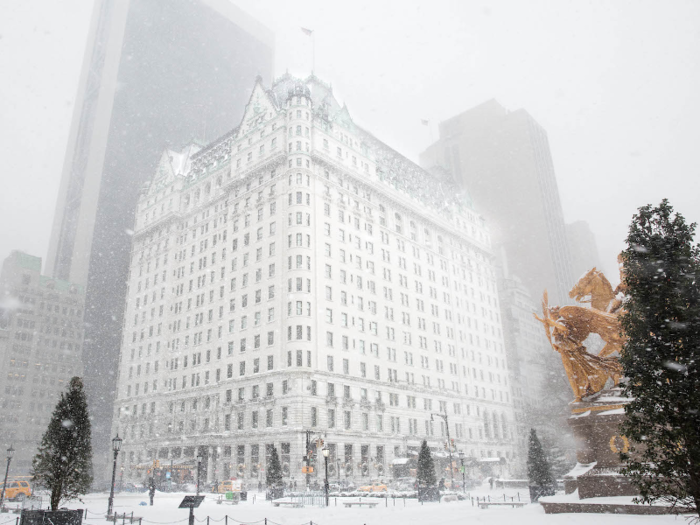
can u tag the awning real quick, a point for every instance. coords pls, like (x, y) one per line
(399, 461)
(491, 460)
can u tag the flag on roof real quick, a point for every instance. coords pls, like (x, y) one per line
(307, 32)
(425, 122)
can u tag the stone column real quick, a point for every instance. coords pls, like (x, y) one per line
(211, 463)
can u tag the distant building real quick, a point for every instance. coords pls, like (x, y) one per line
(584, 251)
(502, 159)
(41, 338)
(298, 275)
(155, 75)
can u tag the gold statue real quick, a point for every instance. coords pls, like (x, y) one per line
(567, 327)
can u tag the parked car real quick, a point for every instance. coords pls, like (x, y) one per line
(230, 485)
(373, 487)
(17, 490)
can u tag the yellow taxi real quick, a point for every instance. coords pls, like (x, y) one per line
(373, 487)
(230, 485)
(17, 489)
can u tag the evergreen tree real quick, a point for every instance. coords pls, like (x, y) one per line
(538, 471)
(273, 476)
(64, 461)
(661, 358)
(425, 473)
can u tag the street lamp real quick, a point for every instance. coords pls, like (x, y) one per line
(199, 466)
(461, 455)
(10, 453)
(326, 451)
(116, 447)
(449, 442)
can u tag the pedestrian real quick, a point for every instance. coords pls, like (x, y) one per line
(491, 482)
(152, 490)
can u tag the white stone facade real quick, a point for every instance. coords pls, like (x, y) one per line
(297, 274)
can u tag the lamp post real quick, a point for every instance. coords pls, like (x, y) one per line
(116, 447)
(449, 442)
(199, 466)
(464, 479)
(326, 451)
(10, 453)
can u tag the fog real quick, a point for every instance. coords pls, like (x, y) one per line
(608, 89)
(614, 84)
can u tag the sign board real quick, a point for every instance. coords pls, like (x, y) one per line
(191, 502)
(167, 475)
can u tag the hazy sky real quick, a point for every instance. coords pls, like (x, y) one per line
(615, 84)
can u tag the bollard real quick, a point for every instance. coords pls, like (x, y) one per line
(208, 521)
(504, 497)
(226, 519)
(17, 520)
(131, 520)
(518, 496)
(124, 519)
(265, 521)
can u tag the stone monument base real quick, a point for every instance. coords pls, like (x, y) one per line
(569, 503)
(596, 484)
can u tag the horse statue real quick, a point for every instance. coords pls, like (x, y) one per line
(567, 327)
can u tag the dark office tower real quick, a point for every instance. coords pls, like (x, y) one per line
(502, 158)
(155, 75)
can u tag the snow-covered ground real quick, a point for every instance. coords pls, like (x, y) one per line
(256, 509)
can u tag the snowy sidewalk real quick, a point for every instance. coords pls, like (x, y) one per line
(165, 512)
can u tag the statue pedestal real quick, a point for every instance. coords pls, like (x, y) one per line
(595, 423)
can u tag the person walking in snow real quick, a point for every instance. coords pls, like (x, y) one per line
(152, 490)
